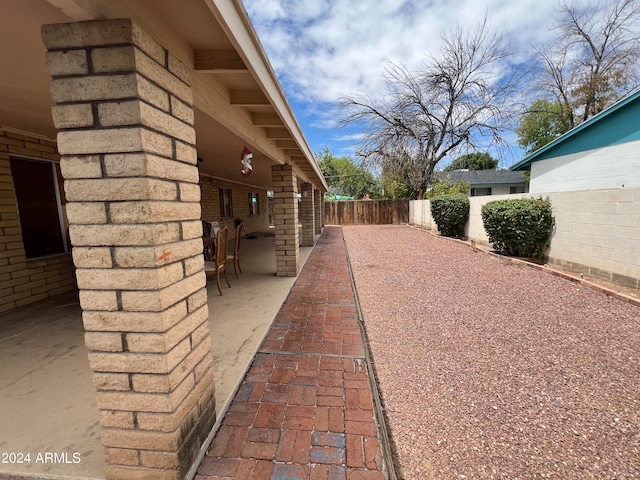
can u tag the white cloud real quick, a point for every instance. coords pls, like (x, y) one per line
(327, 49)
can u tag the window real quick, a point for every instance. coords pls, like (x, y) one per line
(516, 189)
(226, 207)
(478, 192)
(40, 197)
(254, 204)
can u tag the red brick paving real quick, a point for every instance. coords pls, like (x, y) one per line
(304, 409)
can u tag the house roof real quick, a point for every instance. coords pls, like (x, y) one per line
(483, 177)
(237, 98)
(620, 123)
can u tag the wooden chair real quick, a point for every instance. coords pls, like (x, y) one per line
(235, 256)
(220, 264)
(209, 233)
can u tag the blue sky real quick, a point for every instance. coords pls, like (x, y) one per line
(325, 50)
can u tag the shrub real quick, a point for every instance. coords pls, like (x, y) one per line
(519, 227)
(450, 213)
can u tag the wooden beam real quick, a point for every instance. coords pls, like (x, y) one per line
(266, 120)
(248, 98)
(278, 134)
(210, 96)
(294, 152)
(218, 61)
(286, 144)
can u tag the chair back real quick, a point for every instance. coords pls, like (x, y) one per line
(221, 247)
(206, 229)
(236, 250)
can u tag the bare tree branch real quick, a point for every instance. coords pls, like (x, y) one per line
(461, 97)
(594, 61)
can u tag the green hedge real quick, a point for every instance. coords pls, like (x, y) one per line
(450, 213)
(519, 227)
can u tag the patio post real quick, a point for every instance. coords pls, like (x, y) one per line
(285, 211)
(317, 197)
(123, 110)
(308, 215)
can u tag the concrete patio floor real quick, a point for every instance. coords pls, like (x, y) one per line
(47, 397)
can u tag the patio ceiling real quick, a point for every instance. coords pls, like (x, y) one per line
(237, 99)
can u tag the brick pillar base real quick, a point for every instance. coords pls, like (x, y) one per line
(123, 107)
(285, 211)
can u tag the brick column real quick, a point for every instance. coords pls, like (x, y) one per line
(285, 211)
(123, 108)
(308, 215)
(317, 198)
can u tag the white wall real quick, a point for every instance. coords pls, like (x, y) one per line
(597, 232)
(608, 167)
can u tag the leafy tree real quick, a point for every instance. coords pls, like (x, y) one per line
(427, 115)
(542, 123)
(345, 175)
(447, 186)
(594, 59)
(473, 161)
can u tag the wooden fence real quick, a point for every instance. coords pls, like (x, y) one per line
(366, 212)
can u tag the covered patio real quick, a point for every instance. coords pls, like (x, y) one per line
(122, 128)
(47, 394)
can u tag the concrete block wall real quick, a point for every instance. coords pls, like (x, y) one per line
(123, 108)
(597, 232)
(24, 281)
(210, 203)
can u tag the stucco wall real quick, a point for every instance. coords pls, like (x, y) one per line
(597, 232)
(608, 167)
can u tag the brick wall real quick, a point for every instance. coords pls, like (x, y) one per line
(307, 215)
(285, 210)
(123, 108)
(210, 204)
(24, 281)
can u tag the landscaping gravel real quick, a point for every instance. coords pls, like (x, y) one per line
(492, 369)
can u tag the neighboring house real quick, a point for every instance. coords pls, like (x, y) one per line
(488, 182)
(601, 153)
(106, 108)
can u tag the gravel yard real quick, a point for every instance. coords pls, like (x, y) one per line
(489, 369)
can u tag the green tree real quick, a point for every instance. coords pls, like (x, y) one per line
(345, 175)
(473, 161)
(447, 186)
(543, 122)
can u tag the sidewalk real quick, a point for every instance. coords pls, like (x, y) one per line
(305, 410)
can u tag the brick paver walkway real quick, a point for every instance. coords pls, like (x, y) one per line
(304, 410)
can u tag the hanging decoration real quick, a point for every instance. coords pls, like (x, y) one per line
(245, 158)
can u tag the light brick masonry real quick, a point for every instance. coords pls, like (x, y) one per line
(125, 119)
(317, 210)
(22, 280)
(308, 216)
(285, 207)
